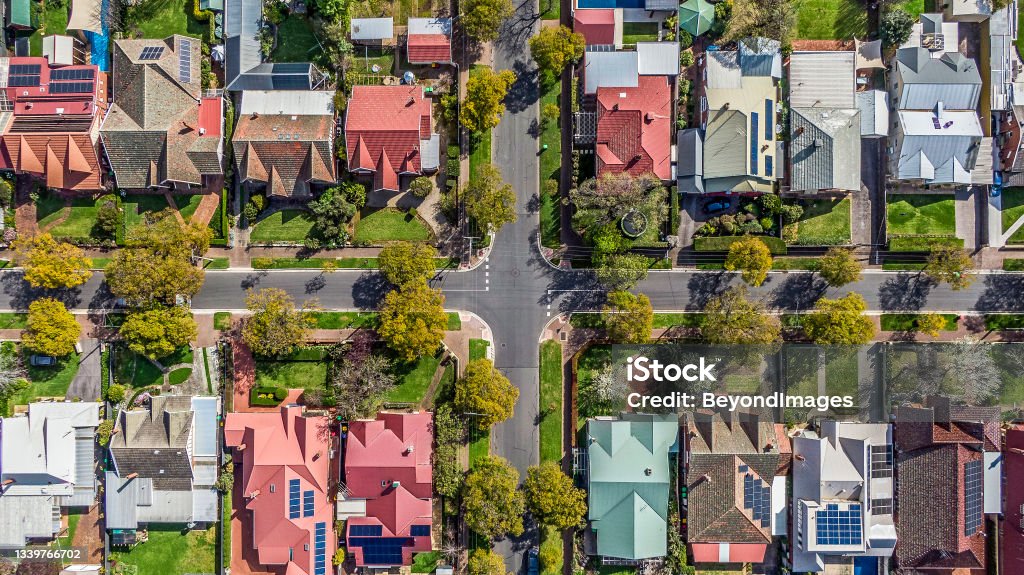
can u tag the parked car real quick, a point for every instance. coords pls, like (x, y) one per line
(533, 563)
(715, 206)
(42, 360)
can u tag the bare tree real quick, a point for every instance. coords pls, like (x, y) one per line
(968, 361)
(360, 387)
(12, 373)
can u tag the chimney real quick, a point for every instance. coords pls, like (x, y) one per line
(798, 457)
(255, 115)
(202, 131)
(648, 471)
(706, 477)
(131, 476)
(410, 449)
(8, 482)
(412, 100)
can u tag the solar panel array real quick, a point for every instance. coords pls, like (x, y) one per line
(839, 527)
(365, 531)
(25, 69)
(754, 142)
(320, 549)
(293, 499)
(73, 74)
(757, 497)
(307, 503)
(881, 461)
(71, 87)
(185, 61)
(419, 531)
(151, 53)
(381, 550)
(973, 482)
(22, 81)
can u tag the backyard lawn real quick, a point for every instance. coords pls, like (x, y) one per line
(400, 10)
(80, 220)
(363, 59)
(633, 32)
(551, 401)
(170, 552)
(162, 18)
(920, 214)
(913, 7)
(830, 19)
(824, 222)
(291, 374)
(413, 379)
(283, 226)
(55, 21)
(1012, 210)
(390, 224)
(47, 381)
(295, 40)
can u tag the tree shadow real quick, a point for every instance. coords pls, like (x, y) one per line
(704, 286)
(369, 290)
(798, 291)
(523, 93)
(905, 292)
(252, 280)
(1002, 293)
(316, 284)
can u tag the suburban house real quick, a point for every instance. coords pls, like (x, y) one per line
(628, 473)
(949, 470)
(389, 134)
(1007, 113)
(284, 141)
(938, 138)
(285, 460)
(825, 123)
(843, 492)
(387, 489)
(735, 480)
(429, 41)
(162, 131)
(164, 464)
(244, 68)
(628, 108)
(740, 99)
(46, 463)
(1012, 536)
(49, 117)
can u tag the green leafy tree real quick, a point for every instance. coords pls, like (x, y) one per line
(839, 321)
(949, 264)
(275, 327)
(732, 318)
(896, 27)
(141, 276)
(490, 201)
(484, 391)
(752, 257)
(360, 384)
(481, 19)
(162, 234)
(51, 328)
(628, 317)
(331, 10)
(493, 504)
(620, 272)
(555, 48)
(552, 497)
(449, 434)
(930, 323)
(413, 320)
(485, 94)
(756, 18)
(108, 218)
(404, 262)
(51, 264)
(115, 393)
(485, 562)
(838, 267)
(331, 214)
(158, 331)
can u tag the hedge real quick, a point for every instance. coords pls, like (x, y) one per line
(1013, 265)
(267, 396)
(722, 243)
(922, 243)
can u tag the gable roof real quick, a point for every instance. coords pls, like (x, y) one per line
(429, 40)
(37, 450)
(154, 442)
(825, 149)
(372, 28)
(939, 149)
(634, 128)
(242, 22)
(391, 123)
(596, 25)
(296, 149)
(1012, 540)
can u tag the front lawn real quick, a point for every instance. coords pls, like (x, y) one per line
(824, 222)
(164, 18)
(344, 319)
(170, 551)
(187, 205)
(283, 226)
(135, 370)
(13, 320)
(295, 40)
(550, 401)
(830, 19)
(478, 349)
(1012, 210)
(222, 320)
(291, 374)
(920, 214)
(52, 381)
(389, 225)
(80, 220)
(138, 206)
(633, 32)
(413, 379)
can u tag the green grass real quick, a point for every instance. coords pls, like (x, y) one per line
(217, 264)
(425, 562)
(73, 519)
(46, 381)
(633, 32)
(291, 374)
(100, 263)
(478, 349)
(551, 9)
(389, 225)
(1012, 210)
(400, 10)
(667, 320)
(824, 222)
(283, 226)
(1004, 321)
(1020, 37)
(454, 322)
(179, 375)
(922, 243)
(296, 41)
(722, 243)
(206, 371)
(289, 263)
(902, 267)
(169, 551)
(225, 525)
(908, 321)
(55, 21)
(830, 19)
(1013, 265)
(913, 7)
(364, 57)
(551, 401)
(920, 214)
(479, 142)
(80, 220)
(166, 17)
(136, 207)
(11, 320)
(134, 370)
(795, 263)
(479, 445)
(222, 321)
(187, 205)
(550, 169)
(413, 380)
(181, 355)
(343, 319)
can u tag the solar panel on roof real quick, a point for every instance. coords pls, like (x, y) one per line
(973, 482)
(25, 70)
(293, 499)
(22, 81)
(71, 88)
(185, 61)
(881, 461)
(839, 526)
(320, 548)
(753, 142)
(73, 74)
(419, 531)
(757, 497)
(365, 531)
(307, 503)
(151, 53)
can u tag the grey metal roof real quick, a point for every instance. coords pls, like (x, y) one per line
(242, 20)
(657, 58)
(825, 149)
(822, 79)
(726, 144)
(723, 70)
(942, 155)
(430, 26)
(690, 163)
(661, 5)
(23, 517)
(204, 505)
(430, 151)
(205, 425)
(952, 79)
(610, 70)
(122, 499)
(269, 76)
(874, 113)
(1002, 55)
(372, 28)
(760, 57)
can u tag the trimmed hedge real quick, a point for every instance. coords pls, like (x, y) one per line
(722, 243)
(1004, 321)
(922, 243)
(1013, 265)
(267, 396)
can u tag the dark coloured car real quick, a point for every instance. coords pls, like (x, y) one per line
(533, 564)
(715, 206)
(42, 360)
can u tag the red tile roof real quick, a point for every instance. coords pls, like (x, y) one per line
(1013, 528)
(68, 161)
(429, 48)
(633, 128)
(392, 118)
(597, 26)
(275, 449)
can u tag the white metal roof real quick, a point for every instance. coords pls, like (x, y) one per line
(430, 26)
(874, 113)
(822, 79)
(59, 50)
(610, 70)
(372, 28)
(657, 58)
(287, 102)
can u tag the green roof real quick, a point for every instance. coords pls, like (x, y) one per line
(21, 13)
(629, 479)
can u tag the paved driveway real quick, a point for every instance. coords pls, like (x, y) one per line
(86, 384)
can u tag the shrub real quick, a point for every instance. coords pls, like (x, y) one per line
(115, 393)
(421, 187)
(6, 191)
(356, 195)
(770, 204)
(766, 223)
(339, 557)
(108, 217)
(685, 39)
(259, 200)
(751, 228)
(250, 212)
(103, 431)
(267, 396)
(721, 244)
(686, 59)
(280, 393)
(792, 213)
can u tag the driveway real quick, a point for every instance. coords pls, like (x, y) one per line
(86, 384)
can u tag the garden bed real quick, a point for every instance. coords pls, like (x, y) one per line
(267, 396)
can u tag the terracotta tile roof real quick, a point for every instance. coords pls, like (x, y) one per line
(597, 26)
(392, 118)
(68, 161)
(1013, 529)
(153, 134)
(633, 128)
(286, 152)
(429, 48)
